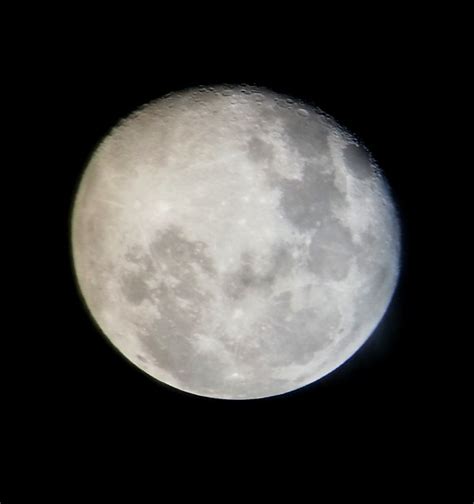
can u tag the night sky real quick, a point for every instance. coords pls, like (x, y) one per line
(75, 409)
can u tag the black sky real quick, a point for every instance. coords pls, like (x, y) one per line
(70, 398)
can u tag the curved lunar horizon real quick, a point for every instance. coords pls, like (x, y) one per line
(234, 243)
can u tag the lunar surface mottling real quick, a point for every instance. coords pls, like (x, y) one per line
(234, 243)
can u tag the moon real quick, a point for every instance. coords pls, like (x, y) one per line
(234, 243)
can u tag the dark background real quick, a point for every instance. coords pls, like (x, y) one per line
(75, 407)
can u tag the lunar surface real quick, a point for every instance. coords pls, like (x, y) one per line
(234, 243)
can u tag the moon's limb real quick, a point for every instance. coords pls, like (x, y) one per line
(233, 243)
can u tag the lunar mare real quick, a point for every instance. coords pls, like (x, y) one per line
(234, 243)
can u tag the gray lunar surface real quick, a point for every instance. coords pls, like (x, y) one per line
(234, 243)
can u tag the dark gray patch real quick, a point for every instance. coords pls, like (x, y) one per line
(331, 251)
(237, 284)
(259, 150)
(368, 240)
(169, 338)
(247, 279)
(358, 161)
(134, 287)
(306, 134)
(173, 254)
(312, 199)
(283, 300)
(282, 262)
(137, 256)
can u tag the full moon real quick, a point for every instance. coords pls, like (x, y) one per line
(234, 243)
